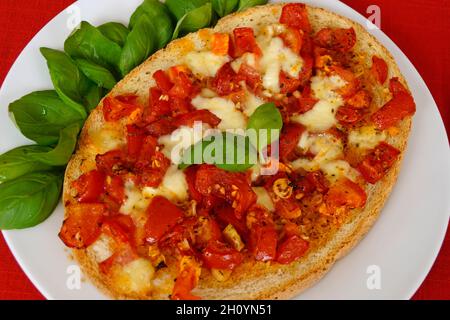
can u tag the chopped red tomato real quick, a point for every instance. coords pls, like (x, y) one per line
(345, 193)
(190, 118)
(82, 225)
(307, 69)
(295, 15)
(135, 140)
(378, 162)
(293, 39)
(230, 186)
(226, 216)
(162, 81)
(123, 255)
(206, 230)
(359, 100)
(250, 75)
(263, 242)
(291, 249)
(120, 227)
(289, 138)
(146, 152)
(159, 105)
(399, 107)
(115, 189)
(111, 162)
(287, 83)
(89, 186)
(161, 127)
(352, 85)
(337, 39)
(379, 69)
(244, 41)
(179, 106)
(224, 83)
(306, 102)
(318, 181)
(218, 255)
(187, 279)
(220, 44)
(116, 108)
(153, 174)
(191, 173)
(161, 216)
(346, 115)
(183, 86)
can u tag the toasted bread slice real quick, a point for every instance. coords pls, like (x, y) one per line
(260, 281)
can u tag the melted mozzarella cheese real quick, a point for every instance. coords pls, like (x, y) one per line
(366, 137)
(135, 201)
(101, 248)
(263, 198)
(134, 277)
(327, 150)
(106, 138)
(224, 109)
(275, 58)
(181, 139)
(174, 186)
(205, 63)
(252, 102)
(247, 58)
(322, 116)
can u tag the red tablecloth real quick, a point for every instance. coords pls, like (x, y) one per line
(419, 27)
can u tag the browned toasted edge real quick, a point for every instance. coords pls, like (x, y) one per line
(280, 282)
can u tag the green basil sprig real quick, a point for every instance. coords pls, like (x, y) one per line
(29, 200)
(194, 20)
(245, 4)
(18, 162)
(160, 17)
(89, 43)
(266, 117)
(224, 7)
(41, 115)
(138, 46)
(114, 31)
(97, 73)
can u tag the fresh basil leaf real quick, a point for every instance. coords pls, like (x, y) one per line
(18, 162)
(41, 115)
(194, 20)
(93, 97)
(29, 199)
(266, 117)
(114, 31)
(70, 83)
(226, 151)
(181, 7)
(89, 43)
(224, 7)
(160, 17)
(96, 73)
(138, 46)
(245, 4)
(61, 154)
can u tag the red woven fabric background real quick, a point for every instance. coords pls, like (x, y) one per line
(421, 28)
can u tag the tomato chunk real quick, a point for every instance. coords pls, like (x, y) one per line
(162, 81)
(378, 162)
(89, 186)
(289, 138)
(120, 227)
(295, 16)
(225, 216)
(379, 69)
(152, 170)
(206, 230)
(218, 255)
(251, 77)
(135, 140)
(115, 189)
(347, 115)
(161, 216)
(82, 225)
(224, 83)
(159, 105)
(287, 83)
(230, 186)
(337, 39)
(111, 162)
(220, 44)
(263, 242)
(352, 86)
(183, 87)
(293, 39)
(345, 193)
(291, 249)
(399, 107)
(244, 41)
(187, 279)
(116, 108)
(190, 118)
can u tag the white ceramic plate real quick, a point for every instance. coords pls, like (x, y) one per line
(402, 245)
